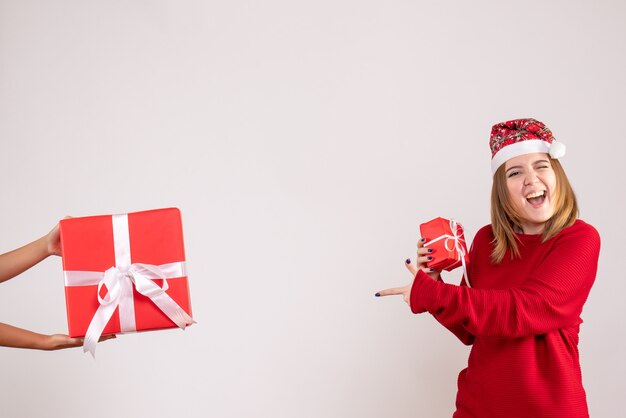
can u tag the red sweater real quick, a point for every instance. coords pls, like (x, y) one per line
(522, 317)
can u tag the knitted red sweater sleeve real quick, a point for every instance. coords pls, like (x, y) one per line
(457, 329)
(551, 297)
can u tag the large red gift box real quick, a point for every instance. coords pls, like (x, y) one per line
(92, 245)
(446, 238)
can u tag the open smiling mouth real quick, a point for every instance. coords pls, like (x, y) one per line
(536, 199)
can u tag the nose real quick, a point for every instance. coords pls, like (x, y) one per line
(530, 178)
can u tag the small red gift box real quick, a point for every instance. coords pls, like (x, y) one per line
(124, 273)
(446, 238)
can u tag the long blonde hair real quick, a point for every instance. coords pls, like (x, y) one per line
(505, 219)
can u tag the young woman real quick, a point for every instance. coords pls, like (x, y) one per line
(12, 264)
(530, 272)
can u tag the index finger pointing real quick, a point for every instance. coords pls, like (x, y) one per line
(392, 291)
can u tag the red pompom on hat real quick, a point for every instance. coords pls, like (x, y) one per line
(521, 136)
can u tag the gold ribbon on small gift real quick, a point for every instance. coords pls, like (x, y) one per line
(453, 242)
(120, 280)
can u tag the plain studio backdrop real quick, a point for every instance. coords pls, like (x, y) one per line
(304, 142)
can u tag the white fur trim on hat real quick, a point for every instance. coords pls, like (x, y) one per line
(507, 152)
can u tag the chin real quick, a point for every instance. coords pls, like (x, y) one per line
(535, 222)
(538, 215)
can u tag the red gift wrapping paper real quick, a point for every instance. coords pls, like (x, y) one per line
(88, 245)
(446, 256)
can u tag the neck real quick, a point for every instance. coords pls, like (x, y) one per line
(531, 228)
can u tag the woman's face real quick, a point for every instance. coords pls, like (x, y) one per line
(531, 182)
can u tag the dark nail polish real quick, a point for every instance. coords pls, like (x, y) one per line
(423, 240)
(429, 258)
(408, 261)
(377, 294)
(430, 250)
(432, 269)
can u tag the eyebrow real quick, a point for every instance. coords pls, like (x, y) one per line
(534, 163)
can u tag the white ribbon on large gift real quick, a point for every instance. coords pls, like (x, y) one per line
(457, 245)
(119, 281)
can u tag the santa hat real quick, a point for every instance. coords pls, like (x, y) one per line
(521, 136)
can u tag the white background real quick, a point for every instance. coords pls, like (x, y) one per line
(303, 142)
